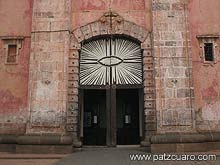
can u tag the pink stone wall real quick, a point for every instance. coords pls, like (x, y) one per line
(205, 20)
(15, 20)
(15, 17)
(87, 11)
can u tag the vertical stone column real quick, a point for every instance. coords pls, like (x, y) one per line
(48, 66)
(173, 68)
(73, 122)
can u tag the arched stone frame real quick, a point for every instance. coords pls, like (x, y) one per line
(111, 23)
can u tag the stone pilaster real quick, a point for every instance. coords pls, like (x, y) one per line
(48, 66)
(150, 121)
(173, 68)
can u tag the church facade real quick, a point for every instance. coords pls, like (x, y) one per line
(76, 73)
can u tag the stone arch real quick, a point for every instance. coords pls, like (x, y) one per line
(110, 23)
(116, 26)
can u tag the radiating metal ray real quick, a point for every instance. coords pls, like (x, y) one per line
(124, 60)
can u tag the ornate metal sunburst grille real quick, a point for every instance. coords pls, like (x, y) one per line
(115, 61)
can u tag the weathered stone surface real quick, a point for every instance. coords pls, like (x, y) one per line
(44, 140)
(44, 149)
(184, 147)
(9, 148)
(79, 35)
(161, 6)
(8, 139)
(177, 138)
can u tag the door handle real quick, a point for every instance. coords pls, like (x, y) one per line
(95, 119)
(127, 119)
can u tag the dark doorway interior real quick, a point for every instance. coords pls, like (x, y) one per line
(127, 117)
(96, 122)
(94, 117)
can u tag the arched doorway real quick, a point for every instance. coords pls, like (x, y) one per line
(111, 90)
(111, 25)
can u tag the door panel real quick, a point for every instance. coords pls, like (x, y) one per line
(94, 117)
(127, 117)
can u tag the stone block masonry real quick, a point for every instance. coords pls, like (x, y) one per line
(48, 66)
(173, 67)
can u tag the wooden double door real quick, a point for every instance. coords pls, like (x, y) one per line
(111, 117)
